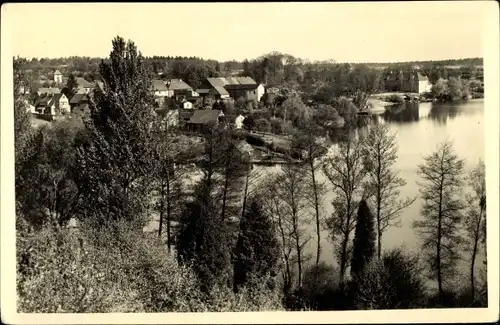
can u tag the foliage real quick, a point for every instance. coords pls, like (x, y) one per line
(71, 87)
(257, 250)
(50, 168)
(442, 213)
(115, 162)
(22, 117)
(393, 282)
(262, 125)
(364, 240)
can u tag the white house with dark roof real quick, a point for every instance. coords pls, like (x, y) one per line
(58, 77)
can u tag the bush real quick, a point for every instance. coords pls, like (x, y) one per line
(117, 269)
(320, 286)
(262, 125)
(395, 99)
(392, 283)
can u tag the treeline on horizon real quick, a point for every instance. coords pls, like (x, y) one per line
(282, 68)
(234, 239)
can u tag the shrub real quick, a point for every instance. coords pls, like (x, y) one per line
(320, 286)
(262, 125)
(395, 99)
(115, 269)
(391, 283)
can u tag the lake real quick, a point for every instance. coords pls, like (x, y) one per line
(420, 127)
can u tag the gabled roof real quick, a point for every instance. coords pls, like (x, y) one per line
(179, 84)
(421, 77)
(159, 85)
(246, 80)
(221, 90)
(205, 116)
(45, 90)
(185, 114)
(242, 87)
(231, 81)
(78, 98)
(84, 83)
(57, 72)
(202, 91)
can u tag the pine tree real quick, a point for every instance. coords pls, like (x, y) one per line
(71, 86)
(116, 160)
(257, 249)
(364, 240)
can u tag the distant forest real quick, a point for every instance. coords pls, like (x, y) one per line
(273, 68)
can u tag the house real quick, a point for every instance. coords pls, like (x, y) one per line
(213, 88)
(250, 92)
(187, 105)
(203, 118)
(79, 103)
(412, 82)
(84, 86)
(45, 91)
(178, 88)
(235, 87)
(424, 85)
(58, 77)
(52, 105)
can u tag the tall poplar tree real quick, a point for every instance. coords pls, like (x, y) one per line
(364, 240)
(116, 160)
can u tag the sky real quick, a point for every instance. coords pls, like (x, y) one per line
(344, 32)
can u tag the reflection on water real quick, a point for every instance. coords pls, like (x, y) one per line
(419, 128)
(439, 113)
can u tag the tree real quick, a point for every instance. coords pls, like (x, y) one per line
(364, 240)
(249, 123)
(203, 239)
(475, 217)
(257, 250)
(345, 171)
(383, 183)
(307, 140)
(116, 161)
(22, 118)
(292, 190)
(71, 86)
(440, 90)
(168, 177)
(232, 169)
(442, 212)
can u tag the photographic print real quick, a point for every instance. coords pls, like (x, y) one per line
(211, 158)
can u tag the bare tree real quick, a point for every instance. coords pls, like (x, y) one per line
(442, 175)
(272, 204)
(475, 218)
(292, 189)
(307, 141)
(344, 169)
(383, 183)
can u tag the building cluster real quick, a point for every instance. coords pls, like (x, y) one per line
(50, 103)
